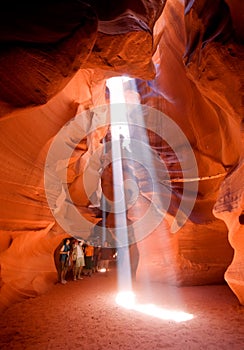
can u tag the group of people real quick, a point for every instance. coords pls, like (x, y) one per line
(83, 258)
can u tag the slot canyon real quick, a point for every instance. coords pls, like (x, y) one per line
(179, 65)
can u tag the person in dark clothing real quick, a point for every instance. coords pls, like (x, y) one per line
(105, 255)
(64, 259)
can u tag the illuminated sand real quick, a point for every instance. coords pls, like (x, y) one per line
(84, 315)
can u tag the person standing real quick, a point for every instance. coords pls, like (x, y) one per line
(105, 256)
(64, 259)
(89, 252)
(96, 254)
(78, 260)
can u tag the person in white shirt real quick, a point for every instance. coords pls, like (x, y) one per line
(78, 260)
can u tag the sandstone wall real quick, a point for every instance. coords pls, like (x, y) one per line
(54, 69)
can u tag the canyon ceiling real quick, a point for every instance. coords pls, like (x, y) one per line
(186, 59)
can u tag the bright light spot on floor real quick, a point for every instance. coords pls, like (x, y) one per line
(103, 270)
(128, 301)
(162, 313)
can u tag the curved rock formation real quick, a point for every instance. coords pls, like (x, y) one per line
(190, 91)
(39, 56)
(187, 62)
(45, 44)
(230, 208)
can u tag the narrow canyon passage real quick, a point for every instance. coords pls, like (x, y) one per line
(121, 125)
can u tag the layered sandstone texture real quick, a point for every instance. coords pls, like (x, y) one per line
(186, 58)
(229, 207)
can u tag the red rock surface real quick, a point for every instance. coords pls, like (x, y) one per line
(53, 66)
(229, 207)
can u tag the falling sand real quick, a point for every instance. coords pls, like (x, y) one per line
(84, 314)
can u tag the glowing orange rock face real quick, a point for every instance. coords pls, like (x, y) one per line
(197, 85)
(229, 207)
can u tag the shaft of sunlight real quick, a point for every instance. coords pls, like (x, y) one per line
(119, 131)
(131, 129)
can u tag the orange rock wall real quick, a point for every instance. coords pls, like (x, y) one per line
(28, 229)
(198, 85)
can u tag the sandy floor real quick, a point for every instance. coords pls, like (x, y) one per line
(84, 315)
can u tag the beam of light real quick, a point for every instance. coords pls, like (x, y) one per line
(143, 154)
(127, 300)
(159, 196)
(138, 149)
(119, 130)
